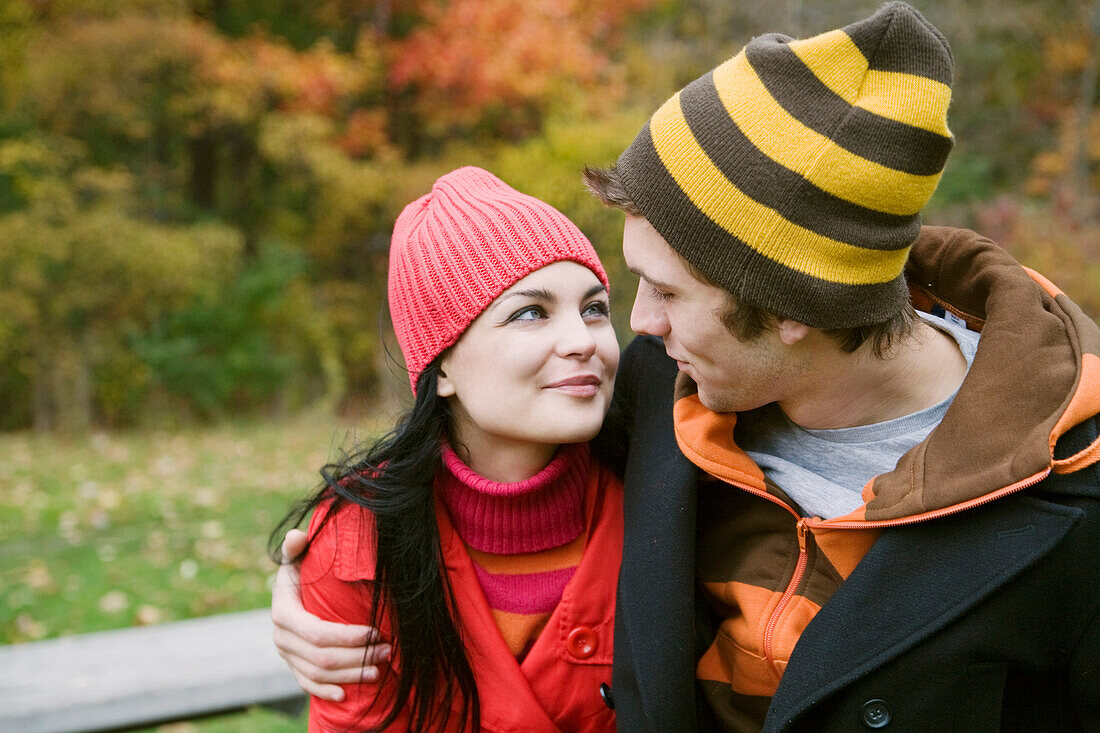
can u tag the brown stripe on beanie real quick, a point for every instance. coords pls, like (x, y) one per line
(898, 38)
(780, 188)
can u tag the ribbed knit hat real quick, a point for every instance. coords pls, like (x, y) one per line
(793, 174)
(457, 248)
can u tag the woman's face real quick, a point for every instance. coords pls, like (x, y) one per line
(537, 367)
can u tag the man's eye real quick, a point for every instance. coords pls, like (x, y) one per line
(661, 294)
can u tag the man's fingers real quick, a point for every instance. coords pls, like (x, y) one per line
(287, 611)
(297, 622)
(286, 592)
(321, 676)
(378, 653)
(321, 654)
(293, 544)
(325, 692)
(331, 656)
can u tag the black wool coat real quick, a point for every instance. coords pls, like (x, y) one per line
(985, 621)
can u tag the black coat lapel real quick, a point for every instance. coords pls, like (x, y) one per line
(654, 668)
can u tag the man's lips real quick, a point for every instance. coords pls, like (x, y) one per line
(580, 385)
(680, 363)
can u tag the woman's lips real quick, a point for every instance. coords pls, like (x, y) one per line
(581, 385)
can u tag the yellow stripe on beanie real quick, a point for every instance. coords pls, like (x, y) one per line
(836, 60)
(812, 155)
(890, 94)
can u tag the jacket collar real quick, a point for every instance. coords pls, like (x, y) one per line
(998, 436)
(1035, 376)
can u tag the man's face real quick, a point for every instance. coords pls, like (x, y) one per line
(732, 375)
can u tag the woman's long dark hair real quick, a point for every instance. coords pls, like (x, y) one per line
(392, 478)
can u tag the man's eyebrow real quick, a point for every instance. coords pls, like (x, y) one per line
(652, 281)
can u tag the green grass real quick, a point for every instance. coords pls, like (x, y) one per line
(255, 720)
(119, 529)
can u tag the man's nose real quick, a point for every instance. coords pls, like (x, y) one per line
(647, 316)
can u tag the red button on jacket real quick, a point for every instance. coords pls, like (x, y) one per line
(581, 642)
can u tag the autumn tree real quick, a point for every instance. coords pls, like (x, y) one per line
(296, 130)
(78, 273)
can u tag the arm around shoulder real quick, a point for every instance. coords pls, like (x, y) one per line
(336, 586)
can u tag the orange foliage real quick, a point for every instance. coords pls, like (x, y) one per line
(1055, 236)
(465, 63)
(365, 134)
(269, 74)
(471, 54)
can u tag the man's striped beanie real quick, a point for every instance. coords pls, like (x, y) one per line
(793, 174)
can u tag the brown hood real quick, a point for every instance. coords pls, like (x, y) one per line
(1036, 374)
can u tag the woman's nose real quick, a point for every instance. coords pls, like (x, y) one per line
(576, 339)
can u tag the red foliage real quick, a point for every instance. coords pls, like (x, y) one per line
(470, 54)
(365, 133)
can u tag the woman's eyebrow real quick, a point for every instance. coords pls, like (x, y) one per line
(546, 296)
(541, 294)
(595, 290)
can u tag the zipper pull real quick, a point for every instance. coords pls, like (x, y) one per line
(801, 529)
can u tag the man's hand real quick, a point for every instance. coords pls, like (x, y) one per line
(321, 654)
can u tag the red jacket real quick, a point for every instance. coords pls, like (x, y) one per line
(557, 687)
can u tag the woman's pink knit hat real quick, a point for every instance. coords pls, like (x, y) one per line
(457, 248)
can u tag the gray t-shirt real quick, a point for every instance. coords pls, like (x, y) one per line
(824, 471)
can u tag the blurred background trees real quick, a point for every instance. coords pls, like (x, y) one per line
(196, 196)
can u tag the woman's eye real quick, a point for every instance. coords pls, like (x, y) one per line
(596, 309)
(530, 313)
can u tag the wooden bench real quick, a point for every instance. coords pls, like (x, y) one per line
(145, 675)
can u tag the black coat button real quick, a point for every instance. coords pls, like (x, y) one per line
(876, 714)
(605, 693)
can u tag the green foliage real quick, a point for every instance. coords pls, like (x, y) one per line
(79, 269)
(968, 178)
(229, 351)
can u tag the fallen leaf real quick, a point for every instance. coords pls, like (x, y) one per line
(38, 575)
(29, 627)
(177, 728)
(147, 615)
(114, 602)
(212, 529)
